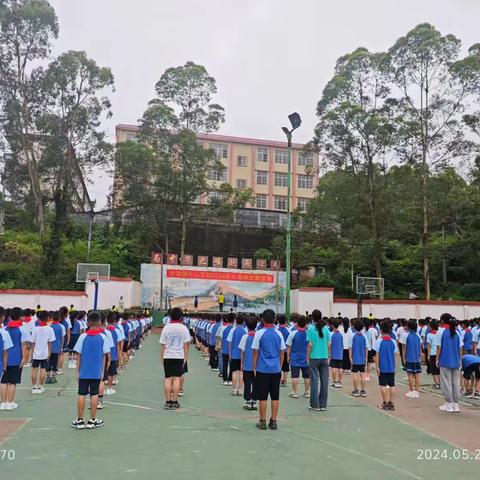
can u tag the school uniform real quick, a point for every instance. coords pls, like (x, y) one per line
(13, 373)
(336, 350)
(432, 352)
(5, 344)
(413, 354)
(359, 349)
(285, 331)
(41, 337)
(174, 336)
(470, 366)
(386, 347)
(449, 363)
(245, 345)
(213, 361)
(269, 343)
(92, 347)
(467, 341)
(226, 372)
(112, 368)
(297, 341)
(234, 337)
(57, 345)
(74, 334)
(371, 337)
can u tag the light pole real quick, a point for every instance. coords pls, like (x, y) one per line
(295, 121)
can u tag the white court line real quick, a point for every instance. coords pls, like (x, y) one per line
(360, 454)
(8, 437)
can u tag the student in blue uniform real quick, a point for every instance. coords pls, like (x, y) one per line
(448, 359)
(235, 355)
(358, 358)
(336, 354)
(285, 331)
(112, 367)
(467, 338)
(212, 341)
(57, 346)
(431, 342)
(412, 359)
(268, 350)
(75, 330)
(63, 313)
(92, 348)
(5, 344)
(386, 347)
(227, 371)
(17, 356)
(249, 392)
(297, 357)
(471, 373)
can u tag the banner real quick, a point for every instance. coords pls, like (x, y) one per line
(232, 262)
(217, 262)
(202, 261)
(187, 260)
(172, 259)
(247, 263)
(156, 258)
(261, 264)
(213, 275)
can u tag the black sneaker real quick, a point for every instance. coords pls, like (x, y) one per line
(262, 425)
(167, 406)
(355, 393)
(175, 405)
(254, 406)
(363, 393)
(384, 406)
(272, 425)
(94, 423)
(79, 424)
(391, 406)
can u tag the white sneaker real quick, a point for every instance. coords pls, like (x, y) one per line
(110, 391)
(447, 407)
(230, 383)
(417, 394)
(34, 390)
(11, 406)
(59, 372)
(41, 389)
(455, 408)
(3, 406)
(410, 394)
(27, 365)
(225, 383)
(293, 395)
(234, 392)
(115, 382)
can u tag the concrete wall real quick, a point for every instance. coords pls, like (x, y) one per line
(307, 299)
(109, 293)
(48, 299)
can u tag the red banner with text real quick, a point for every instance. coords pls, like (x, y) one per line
(213, 275)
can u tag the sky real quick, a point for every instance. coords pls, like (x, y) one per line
(269, 57)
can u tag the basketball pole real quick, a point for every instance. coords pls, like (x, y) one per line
(95, 298)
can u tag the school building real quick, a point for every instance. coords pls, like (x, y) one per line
(261, 165)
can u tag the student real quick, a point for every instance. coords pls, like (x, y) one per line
(212, 342)
(345, 331)
(57, 345)
(175, 342)
(268, 350)
(432, 353)
(386, 347)
(467, 338)
(75, 330)
(5, 344)
(371, 335)
(297, 357)
(285, 331)
(412, 359)
(318, 338)
(249, 391)
(227, 371)
(471, 374)
(358, 358)
(28, 325)
(235, 355)
(92, 348)
(114, 352)
(16, 358)
(66, 338)
(221, 301)
(448, 360)
(336, 354)
(42, 339)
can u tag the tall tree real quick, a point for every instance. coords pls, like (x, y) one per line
(428, 74)
(27, 28)
(183, 108)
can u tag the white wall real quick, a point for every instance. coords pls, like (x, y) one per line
(48, 299)
(109, 293)
(307, 299)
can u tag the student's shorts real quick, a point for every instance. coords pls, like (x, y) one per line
(468, 351)
(268, 384)
(336, 363)
(434, 370)
(73, 341)
(112, 369)
(12, 375)
(285, 365)
(235, 365)
(296, 372)
(413, 367)
(185, 368)
(40, 363)
(358, 368)
(173, 367)
(386, 379)
(126, 346)
(88, 386)
(53, 362)
(467, 373)
(371, 356)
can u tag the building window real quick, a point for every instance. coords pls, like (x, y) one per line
(215, 196)
(242, 161)
(281, 156)
(241, 183)
(281, 179)
(261, 201)
(131, 137)
(280, 202)
(305, 181)
(262, 154)
(220, 149)
(305, 158)
(303, 203)
(217, 175)
(262, 177)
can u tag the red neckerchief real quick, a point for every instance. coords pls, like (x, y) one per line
(56, 322)
(43, 324)
(251, 334)
(110, 327)
(445, 326)
(301, 329)
(386, 337)
(14, 324)
(175, 321)
(96, 331)
(268, 325)
(124, 322)
(467, 330)
(433, 331)
(224, 324)
(27, 319)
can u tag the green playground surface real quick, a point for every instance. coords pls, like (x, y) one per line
(212, 437)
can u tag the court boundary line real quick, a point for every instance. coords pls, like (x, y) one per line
(18, 429)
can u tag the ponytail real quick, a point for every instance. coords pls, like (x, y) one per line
(318, 321)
